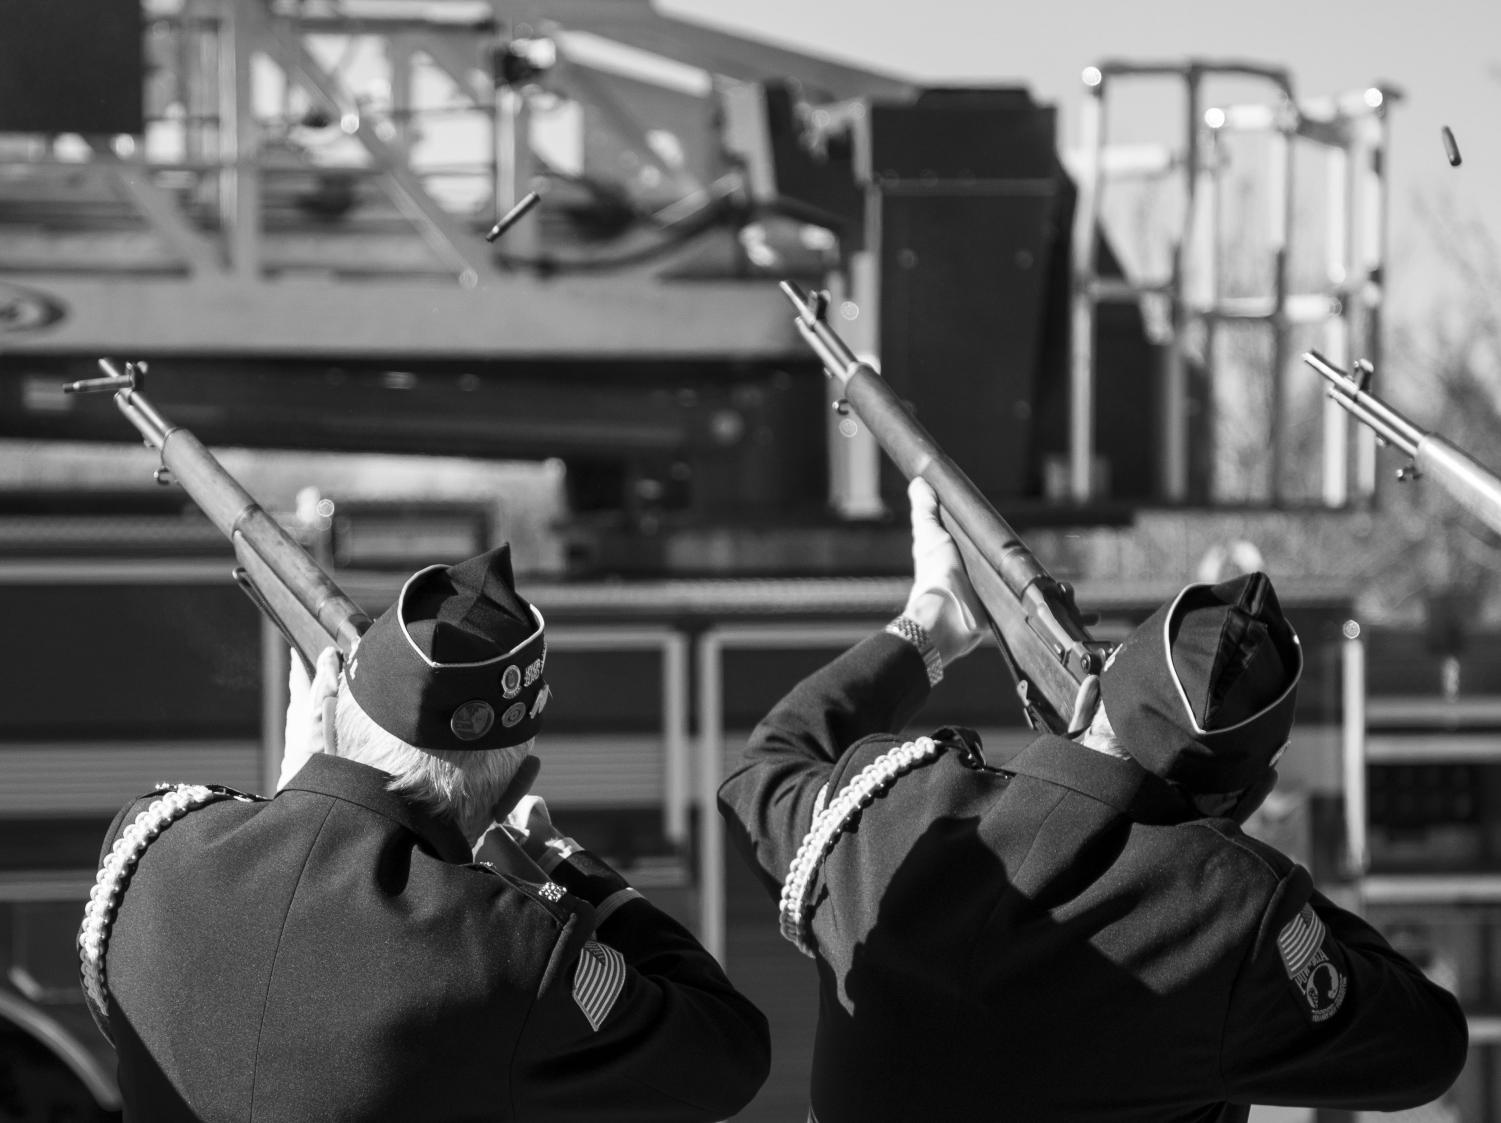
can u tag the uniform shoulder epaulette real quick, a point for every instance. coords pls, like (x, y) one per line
(172, 803)
(830, 822)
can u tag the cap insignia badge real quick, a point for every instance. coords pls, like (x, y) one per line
(542, 698)
(513, 715)
(472, 720)
(510, 681)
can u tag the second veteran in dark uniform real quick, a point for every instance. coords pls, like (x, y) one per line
(336, 953)
(1084, 932)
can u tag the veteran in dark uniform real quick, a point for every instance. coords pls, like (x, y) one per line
(337, 953)
(1082, 932)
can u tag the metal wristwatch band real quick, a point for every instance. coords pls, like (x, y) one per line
(915, 634)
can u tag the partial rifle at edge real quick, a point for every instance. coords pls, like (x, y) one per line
(1475, 487)
(274, 570)
(1041, 632)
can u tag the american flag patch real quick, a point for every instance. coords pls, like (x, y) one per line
(1299, 941)
(598, 981)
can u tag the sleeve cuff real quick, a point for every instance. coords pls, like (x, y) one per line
(555, 852)
(587, 877)
(607, 907)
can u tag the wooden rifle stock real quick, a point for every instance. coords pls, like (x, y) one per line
(1034, 618)
(274, 570)
(1474, 486)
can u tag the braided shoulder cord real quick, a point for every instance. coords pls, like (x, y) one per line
(104, 897)
(829, 823)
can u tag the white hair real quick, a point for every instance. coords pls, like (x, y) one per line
(1100, 735)
(462, 787)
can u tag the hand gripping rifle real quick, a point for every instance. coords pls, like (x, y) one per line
(277, 573)
(1042, 634)
(1476, 488)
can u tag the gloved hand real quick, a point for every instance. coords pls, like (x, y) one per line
(530, 825)
(499, 849)
(942, 599)
(310, 712)
(1086, 703)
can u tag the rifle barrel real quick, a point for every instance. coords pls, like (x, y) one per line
(1472, 485)
(1475, 487)
(1045, 603)
(915, 453)
(1349, 394)
(246, 524)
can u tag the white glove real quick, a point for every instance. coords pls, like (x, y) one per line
(1086, 704)
(530, 825)
(498, 849)
(942, 599)
(310, 712)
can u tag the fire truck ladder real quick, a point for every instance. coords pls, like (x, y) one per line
(1351, 132)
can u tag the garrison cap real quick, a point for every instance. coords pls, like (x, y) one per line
(1202, 693)
(456, 663)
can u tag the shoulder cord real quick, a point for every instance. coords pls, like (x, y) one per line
(829, 823)
(109, 885)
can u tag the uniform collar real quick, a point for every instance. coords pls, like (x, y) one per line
(358, 783)
(1121, 784)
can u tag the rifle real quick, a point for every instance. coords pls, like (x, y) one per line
(1476, 488)
(274, 570)
(1042, 635)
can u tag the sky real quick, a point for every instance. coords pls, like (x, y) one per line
(1445, 55)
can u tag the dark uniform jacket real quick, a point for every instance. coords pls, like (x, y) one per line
(333, 954)
(1041, 943)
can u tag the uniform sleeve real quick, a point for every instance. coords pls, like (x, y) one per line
(1325, 1013)
(768, 801)
(123, 818)
(117, 825)
(641, 1024)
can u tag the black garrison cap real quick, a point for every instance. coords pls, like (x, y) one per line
(1202, 693)
(456, 663)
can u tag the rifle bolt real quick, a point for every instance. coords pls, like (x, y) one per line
(842, 407)
(162, 476)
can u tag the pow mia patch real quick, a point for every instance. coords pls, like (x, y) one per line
(1316, 979)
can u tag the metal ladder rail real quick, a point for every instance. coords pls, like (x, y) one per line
(1352, 130)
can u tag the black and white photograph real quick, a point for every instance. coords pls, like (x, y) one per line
(677, 561)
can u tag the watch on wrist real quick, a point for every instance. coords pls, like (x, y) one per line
(915, 634)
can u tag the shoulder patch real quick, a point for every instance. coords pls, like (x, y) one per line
(598, 981)
(1316, 979)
